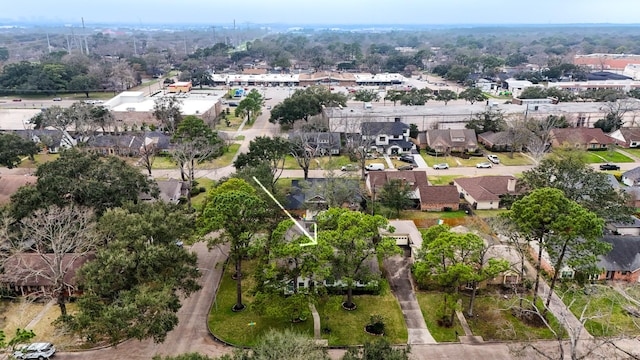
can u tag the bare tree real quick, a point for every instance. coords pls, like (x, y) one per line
(517, 135)
(304, 147)
(148, 152)
(359, 140)
(541, 137)
(167, 110)
(59, 241)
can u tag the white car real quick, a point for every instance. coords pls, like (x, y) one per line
(493, 158)
(483, 165)
(40, 350)
(442, 166)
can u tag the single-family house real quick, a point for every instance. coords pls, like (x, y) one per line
(512, 275)
(634, 195)
(307, 197)
(485, 192)
(319, 143)
(583, 138)
(631, 177)
(452, 140)
(631, 227)
(375, 181)
(439, 198)
(51, 141)
(623, 261)
(32, 273)
(499, 141)
(120, 145)
(9, 184)
(626, 137)
(391, 138)
(406, 233)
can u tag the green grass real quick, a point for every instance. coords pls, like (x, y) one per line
(164, 162)
(489, 213)
(233, 327)
(518, 158)
(347, 327)
(234, 123)
(605, 303)
(442, 179)
(429, 303)
(633, 151)
(239, 137)
(167, 162)
(197, 200)
(606, 156)
(415, 214)
(38, 159)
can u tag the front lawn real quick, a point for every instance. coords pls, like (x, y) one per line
(234, 327)
(38, 159)
(606, 307)
(442, 179)
(606, 157)
(452, 160)
(346, 327)
(518, 158)
(429, 302)
(320, 163)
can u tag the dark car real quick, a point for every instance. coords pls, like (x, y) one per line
(406, 167)
(406, 158)
(609, 167)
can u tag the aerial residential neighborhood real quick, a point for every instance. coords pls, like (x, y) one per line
(354, 192)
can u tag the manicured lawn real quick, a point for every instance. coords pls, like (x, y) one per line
(167, 161)
(320, 163)
(347, 327)
(605, 304)
(606, 156)
(429, 303)
(164, 162)
(489, 213)
(633, 151)
(233, 327)
(452, 161)
(518, 158)
(442, 179)
(416, 214)
(39, 159)
(234, 123)
(197, 200)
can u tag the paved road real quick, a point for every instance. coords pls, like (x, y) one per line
(191, 334)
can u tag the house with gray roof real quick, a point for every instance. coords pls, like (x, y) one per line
(631, 227)
(320, 143)
(631, 177)
(623, 261)
(452, 140)
(391, 138)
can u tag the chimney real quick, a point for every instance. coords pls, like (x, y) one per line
(511, 185)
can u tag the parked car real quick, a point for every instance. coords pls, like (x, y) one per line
(483, 165)
(16, 100)
(57, 99)
(406, 158)
(406, 167)
(40, 350)
(493, 158)
(609, 167)
(375, 167)
(441, 166)
(349, 167)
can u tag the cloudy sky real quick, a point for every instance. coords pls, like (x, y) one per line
(418, 12)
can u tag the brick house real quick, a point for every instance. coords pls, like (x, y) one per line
(623, 261)
(485, 192)
(439, 198)
(584, 138)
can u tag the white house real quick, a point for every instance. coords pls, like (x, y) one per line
(391, 138)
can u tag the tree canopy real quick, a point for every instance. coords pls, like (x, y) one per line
(303, 104)
(488, 120)
(13, 148)
(133, 287)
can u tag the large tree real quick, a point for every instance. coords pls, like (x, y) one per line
(237, 212)
(566, 230)
(472, 95)
(60, 239)
(568, 172)
(396, 195)
(446, 95)
(488, 120)
(84, 179)
(167, 110)
(270, 150)
(194, 143)
(305, 103)
(13, 148)
(250, 106)
(133, 287)
(356, 239)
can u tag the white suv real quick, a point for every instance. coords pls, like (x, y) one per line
(39, 350)
(494, 159)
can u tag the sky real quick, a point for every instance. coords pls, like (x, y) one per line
(415, 12)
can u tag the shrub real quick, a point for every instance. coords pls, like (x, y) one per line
(376, 324)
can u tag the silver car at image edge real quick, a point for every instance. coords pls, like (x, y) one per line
(39, 350)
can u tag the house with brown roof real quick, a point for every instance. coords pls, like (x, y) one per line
(9, 184)
(427, 197)
(33, 273)
(485, 192)
(584, 138)
(626, 137)
(452, 140)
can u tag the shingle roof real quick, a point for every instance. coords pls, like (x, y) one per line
(395, 128)
(452, 137)
(486, 187)
(633, 174)
(446, 194)
(581, 136)
(415, 178)
(625, 255)
(26, 269)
